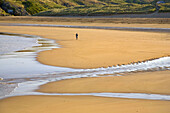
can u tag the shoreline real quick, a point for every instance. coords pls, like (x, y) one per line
(83, 104)
(27, 35)
(155, 82)
(74, 61)
(74, 23)
(145, 29)
(92, 104)
(27, 56)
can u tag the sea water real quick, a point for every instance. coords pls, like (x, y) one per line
(22, 74)
(18, 60)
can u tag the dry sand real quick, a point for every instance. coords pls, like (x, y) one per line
(147, 82)
(81, 104)
(97, 48)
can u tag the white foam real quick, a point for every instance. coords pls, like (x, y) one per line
(18, 65)
(27, 88)
(155, 65)
(24, 65)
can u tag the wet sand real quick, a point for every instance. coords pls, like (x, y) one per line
(146, 82)
(81, 104)
(97, 48)
(148, 25)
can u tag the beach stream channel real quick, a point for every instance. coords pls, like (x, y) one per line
(21, 74)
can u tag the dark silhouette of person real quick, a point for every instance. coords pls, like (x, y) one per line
(77, 36)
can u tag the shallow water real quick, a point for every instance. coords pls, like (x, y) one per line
(93, 27)
(13, 43)
(22, 74)
(18, 60)
(18, 56)
(27, 88)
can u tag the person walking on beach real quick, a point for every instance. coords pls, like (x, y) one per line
(76, 36)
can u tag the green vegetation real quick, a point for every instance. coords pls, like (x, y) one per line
(100, 10)
(3, 13)
(164, 7)
(79, 7)
(26, 7)
(15, 7)
(35, 6)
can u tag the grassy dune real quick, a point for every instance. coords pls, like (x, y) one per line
(100, 10)
(3, 13)
(119, 20)
(80, 7)
(164, 7)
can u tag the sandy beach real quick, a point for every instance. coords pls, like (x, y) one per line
(147, 82)
(83, 104)
(97, 48)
